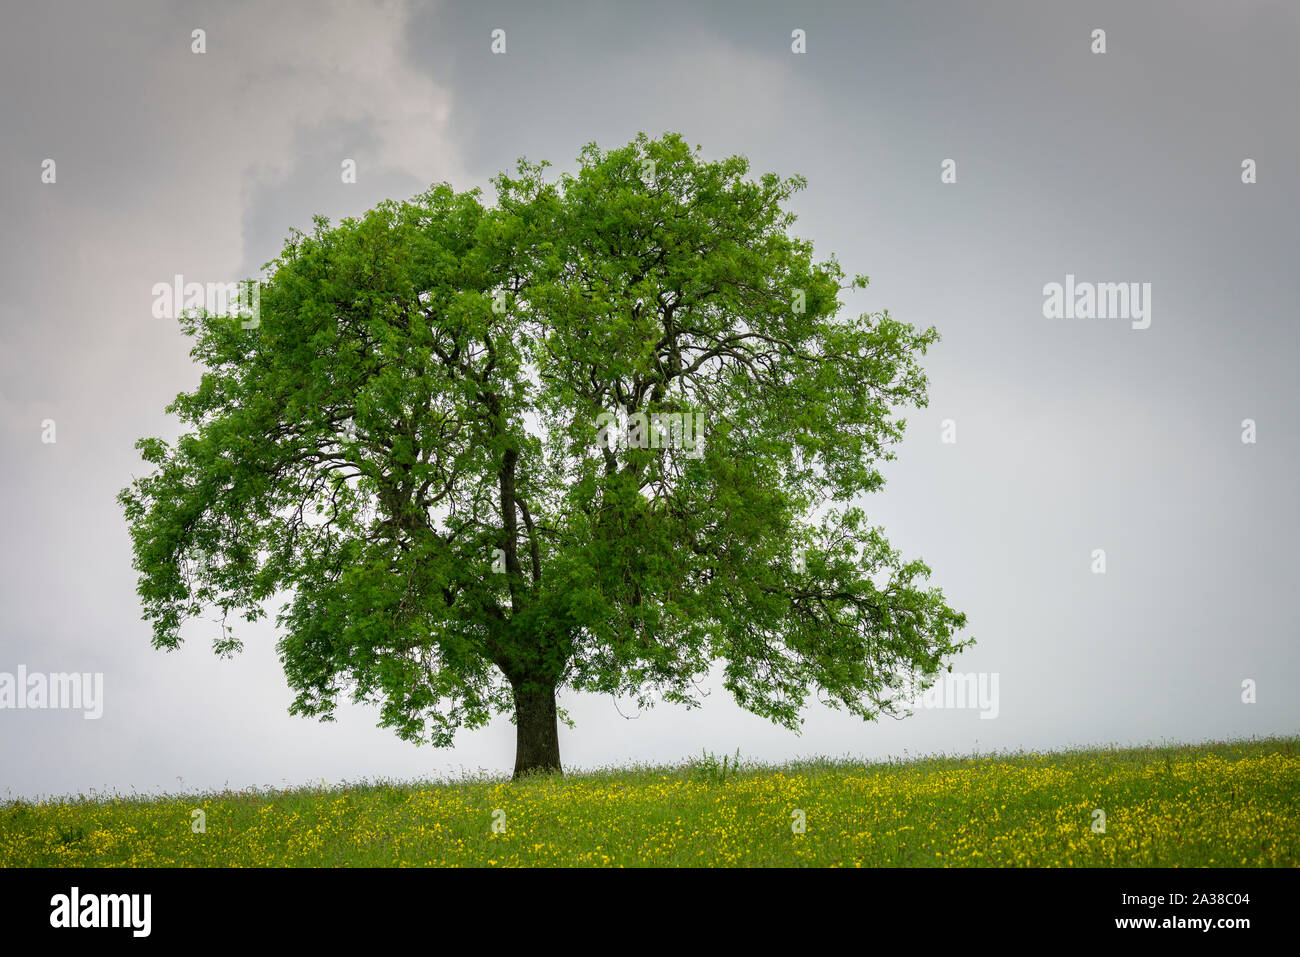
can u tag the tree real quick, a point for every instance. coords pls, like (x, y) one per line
(466, 442)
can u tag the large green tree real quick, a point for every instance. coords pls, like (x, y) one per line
(450, 442)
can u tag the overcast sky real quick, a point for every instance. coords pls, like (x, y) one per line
(1072, 434)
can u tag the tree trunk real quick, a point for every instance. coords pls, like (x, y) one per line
(537, 742)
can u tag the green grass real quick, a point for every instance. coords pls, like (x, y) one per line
(1225, 804)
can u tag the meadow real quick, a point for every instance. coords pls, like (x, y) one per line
(1220, 804)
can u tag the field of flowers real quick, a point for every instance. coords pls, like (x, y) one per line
(1233, 804)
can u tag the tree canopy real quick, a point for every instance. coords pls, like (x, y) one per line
(606, 434)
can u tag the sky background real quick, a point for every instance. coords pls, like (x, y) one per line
(1072, 434)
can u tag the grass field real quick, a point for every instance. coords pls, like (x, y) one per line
(1212, 805)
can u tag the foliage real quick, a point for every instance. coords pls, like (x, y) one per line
(406, 445)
